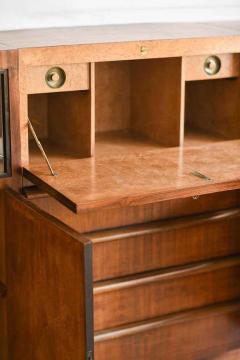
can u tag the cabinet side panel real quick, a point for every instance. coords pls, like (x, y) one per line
(46, 286)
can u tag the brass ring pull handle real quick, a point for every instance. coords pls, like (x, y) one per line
(3, 290)
(55, 77)
(212, 65)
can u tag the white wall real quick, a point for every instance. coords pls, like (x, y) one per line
(52, 13)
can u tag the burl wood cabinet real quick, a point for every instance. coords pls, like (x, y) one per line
(120, 214)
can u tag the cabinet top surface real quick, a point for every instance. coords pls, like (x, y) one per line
(19, 39)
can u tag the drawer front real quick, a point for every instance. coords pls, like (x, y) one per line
(198, 335)
(76, 78)
(140, 248)
(139, 298)
(196, 67)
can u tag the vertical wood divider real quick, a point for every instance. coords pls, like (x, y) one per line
(93, 107)
(182, 118)
(182, 110)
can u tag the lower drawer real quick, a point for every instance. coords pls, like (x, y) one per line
(140, 248)
(196, 335)
(139, 298)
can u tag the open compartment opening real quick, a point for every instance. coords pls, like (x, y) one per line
(137, 105)
(212, 111)
(62, 122)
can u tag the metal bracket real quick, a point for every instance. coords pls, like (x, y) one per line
(200, 175)
(53, 173)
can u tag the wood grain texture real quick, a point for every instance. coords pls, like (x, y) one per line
(130, 181)
(69, 121)
(196, 334)
(115, 217)
(194, 67)
(161, 41)
(156, 99)
(138, 298)
(142, 97)
(212, 107)
(113, 90)
(77, 78)
(38, 115)
(129, 50)
(138, 248)
(9, 61)
(124, 180)
(63, 121)
(116, 33)
(49, 285)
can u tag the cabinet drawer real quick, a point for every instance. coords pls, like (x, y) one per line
(76, 78)
(135, 298)
(195, 66)
(156, 245)
(202, 334)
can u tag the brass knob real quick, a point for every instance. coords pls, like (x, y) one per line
(55, 77)
(212, 65)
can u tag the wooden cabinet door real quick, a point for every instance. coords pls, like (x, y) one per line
(49, 279)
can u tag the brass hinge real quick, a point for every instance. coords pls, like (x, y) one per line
(200, 175)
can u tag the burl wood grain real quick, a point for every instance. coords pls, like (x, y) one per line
(194, 67)
(139, 248)
(115, 33)
(200, 334)
(122, 42)
(49, 285)
(142, 178)
(77, 78)
(136, 298)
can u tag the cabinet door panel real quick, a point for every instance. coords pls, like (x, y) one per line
(49, 286)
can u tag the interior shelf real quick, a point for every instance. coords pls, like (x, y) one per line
(195, 137)
(111, 144)
(122, 142)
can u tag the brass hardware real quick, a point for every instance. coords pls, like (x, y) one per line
(195, 197)
(200, 175)
(53, 173)
(143, 50)
(55, 77)
(212, 65)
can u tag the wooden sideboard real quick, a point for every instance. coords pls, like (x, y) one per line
(120, 220)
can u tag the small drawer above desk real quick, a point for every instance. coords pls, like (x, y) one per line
(45, 79)
(213, 66)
